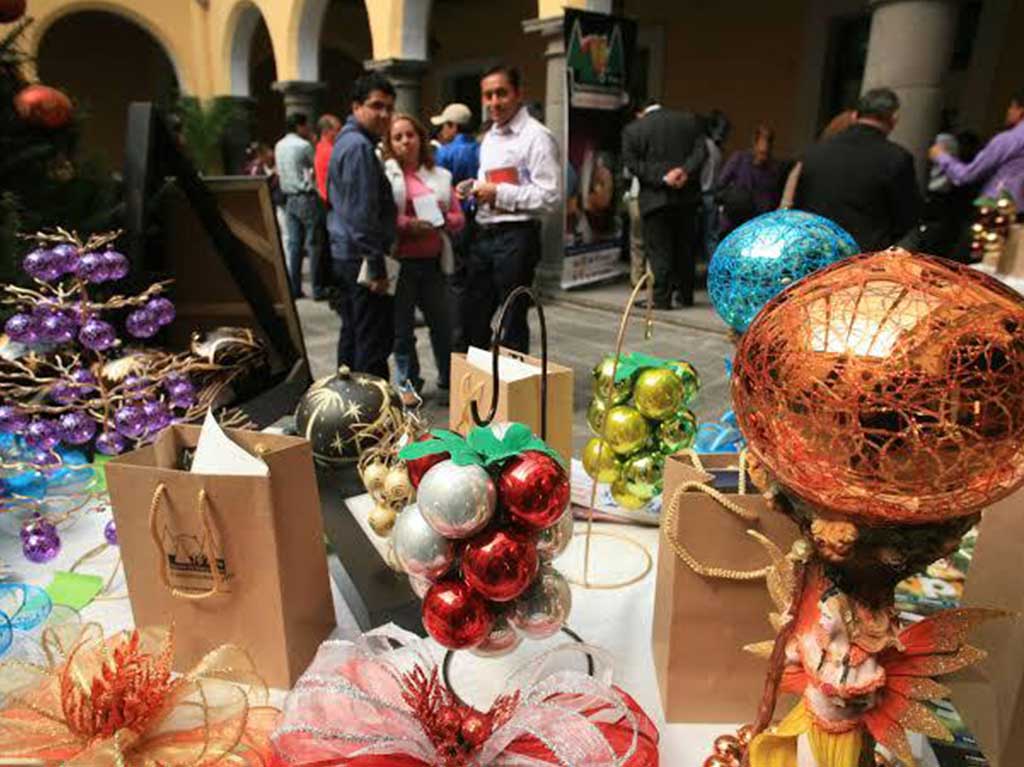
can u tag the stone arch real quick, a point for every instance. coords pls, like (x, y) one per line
(308, 28)
(46, 15)
(240, 29)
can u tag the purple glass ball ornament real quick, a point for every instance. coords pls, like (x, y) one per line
(130, 421)
(56, 328)
(158, 417)
(161, 309)
(97, 335)
(12, 420)
(77, 428)
(182, 394)
(116, 265)
(38, 263)
(43, 434)
(84, 377)
(45, 459)
(110, 533)
(41, 547)
(65, 257)
(91, 267)
(141, 323)
(21, 327)
(110, 443)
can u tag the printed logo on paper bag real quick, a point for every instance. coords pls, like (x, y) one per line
(187, 563)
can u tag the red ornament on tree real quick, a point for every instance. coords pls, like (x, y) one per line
(456, 616)
(534, 488)
(417, 467)
(500, 563)
(11, 10)
(43, 106)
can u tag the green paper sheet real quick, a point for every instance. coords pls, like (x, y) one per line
(74, 589)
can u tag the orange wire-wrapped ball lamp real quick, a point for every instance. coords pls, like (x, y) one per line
(888, 388)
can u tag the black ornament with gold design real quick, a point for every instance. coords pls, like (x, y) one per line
(344, 414)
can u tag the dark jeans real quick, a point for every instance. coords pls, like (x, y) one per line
(304, 220)
(501, 258)
(670, 240)
(367, 322)
(421, 283)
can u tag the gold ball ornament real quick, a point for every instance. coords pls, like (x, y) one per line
(397, 485)
(625, 430)
(625, 498)
(678, 432)
(658, 393)
(691, 379)
(603, 383)
(373, 476)
(382, 519)
(600, 461)
(642, 474)
(595, 415)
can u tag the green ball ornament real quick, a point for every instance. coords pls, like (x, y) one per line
(595, 415)
(620, 392)
(678, 432)
(626, 499)
(625, 430)
(687, 373)
(658, 393)
(600, 461)
(642, 474)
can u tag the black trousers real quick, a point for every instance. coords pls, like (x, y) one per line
(501, 258)
(367, 322)
(670, 242)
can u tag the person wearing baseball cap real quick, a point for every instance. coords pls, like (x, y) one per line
(459, 153)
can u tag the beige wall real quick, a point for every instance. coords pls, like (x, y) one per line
(743, 58)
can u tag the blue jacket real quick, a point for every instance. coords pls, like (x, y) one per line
(363, 217)
(461, 156)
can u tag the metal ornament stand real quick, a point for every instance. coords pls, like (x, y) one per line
(647, 561)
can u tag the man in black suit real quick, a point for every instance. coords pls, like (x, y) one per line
(664, 149)
(861, 180)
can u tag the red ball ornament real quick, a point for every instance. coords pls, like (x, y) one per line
(534, 489)
(11, 10)
(417, 467)
(456, 616)
(500, 564)
(43, 106)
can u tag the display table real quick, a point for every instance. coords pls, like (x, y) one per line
(618, 621)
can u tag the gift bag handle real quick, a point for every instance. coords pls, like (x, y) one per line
(498, 331)
(741, 487)
(684, 554)
(206, 523)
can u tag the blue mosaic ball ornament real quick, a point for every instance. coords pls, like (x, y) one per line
(768, 254)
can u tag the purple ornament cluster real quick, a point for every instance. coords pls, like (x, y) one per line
(40, 541)
(65, 260)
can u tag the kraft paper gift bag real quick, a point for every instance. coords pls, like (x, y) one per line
(710, 596)
(226, 558)
(518, 394)
(990, 694)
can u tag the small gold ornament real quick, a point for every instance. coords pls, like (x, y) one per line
(691, 379)
(626, 499)
(642, 474)
(373, 476)
(620, 392)
(625, 430)
(600, 461)
(382, 519)
(678, 433)
(658, 393)
(397, 486)
(595, 415)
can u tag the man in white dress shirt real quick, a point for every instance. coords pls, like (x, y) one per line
(517, 184)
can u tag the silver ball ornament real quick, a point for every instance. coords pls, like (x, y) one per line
(554, 540)
(419, 585)
(502, 640)
(543, 609)
(457, 501)
(420, 549)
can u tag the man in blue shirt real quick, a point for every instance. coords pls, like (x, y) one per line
(361, 224)
(460, 154)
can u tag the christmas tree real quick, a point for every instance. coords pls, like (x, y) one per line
(42, 181)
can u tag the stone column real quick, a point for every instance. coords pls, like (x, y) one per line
(549, 271)
(407, 77)
(909, 51)
(300, 96)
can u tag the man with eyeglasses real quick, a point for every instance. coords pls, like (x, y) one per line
(362, 223)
